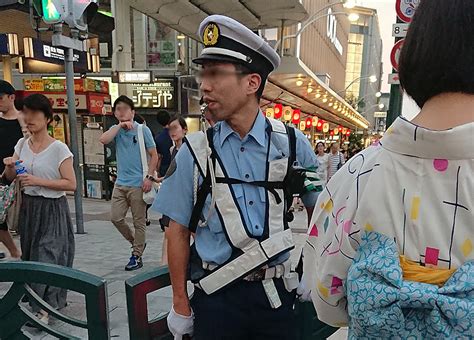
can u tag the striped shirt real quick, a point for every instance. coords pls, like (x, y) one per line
(334, 161)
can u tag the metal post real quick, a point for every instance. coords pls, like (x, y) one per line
(71, 105)
(282, 38)
(396, 98)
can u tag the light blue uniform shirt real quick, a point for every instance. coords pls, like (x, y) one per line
(243, 159)
(129, 163)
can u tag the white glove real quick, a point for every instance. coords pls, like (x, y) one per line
(303, 292)
(180, 325)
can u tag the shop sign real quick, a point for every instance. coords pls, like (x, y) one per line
(36, 50)
(55, 55)
(54, 85)
(59, 101)
(99, 86)
(36, 85)
(160, 94)
(99, 104)
(129, 77)
(380, 114)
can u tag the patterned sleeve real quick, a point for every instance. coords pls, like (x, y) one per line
(333, 238)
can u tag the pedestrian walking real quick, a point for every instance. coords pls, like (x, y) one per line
(336, 160)
(131, 185)
(226, 185)
(11, 132)
(46, 172)
(163, 142)
(323, 161)
(390, 253)
(177, 129)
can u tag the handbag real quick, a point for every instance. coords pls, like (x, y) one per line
(7, 198)
(12, 208)
(148, 197)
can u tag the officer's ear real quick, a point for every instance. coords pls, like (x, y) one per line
(254, 82)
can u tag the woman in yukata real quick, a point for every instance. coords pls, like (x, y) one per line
(390, 250)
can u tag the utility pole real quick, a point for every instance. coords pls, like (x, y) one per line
(70, 44)
(77, 14)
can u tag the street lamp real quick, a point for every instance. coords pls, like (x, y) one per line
(316, 16)
(372, 79)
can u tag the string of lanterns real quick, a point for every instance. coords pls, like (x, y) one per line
(288, 114)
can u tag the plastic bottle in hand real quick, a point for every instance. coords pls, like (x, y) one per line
(20, 168)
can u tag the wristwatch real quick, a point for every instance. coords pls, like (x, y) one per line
(151, 178)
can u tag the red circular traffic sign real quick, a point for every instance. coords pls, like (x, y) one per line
(406, 9)
(395, 55)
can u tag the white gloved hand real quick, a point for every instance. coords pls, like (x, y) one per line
(303, 291)
(180, 325)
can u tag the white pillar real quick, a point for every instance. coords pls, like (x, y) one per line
(121, 40)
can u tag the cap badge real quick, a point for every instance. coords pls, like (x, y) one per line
(210, 35)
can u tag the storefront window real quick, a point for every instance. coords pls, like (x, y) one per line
(161, 47)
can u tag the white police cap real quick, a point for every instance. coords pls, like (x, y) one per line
(226, 39)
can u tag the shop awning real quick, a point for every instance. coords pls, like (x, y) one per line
(186, 15)
(294, 84)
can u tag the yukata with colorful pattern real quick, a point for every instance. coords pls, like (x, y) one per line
(411, 195)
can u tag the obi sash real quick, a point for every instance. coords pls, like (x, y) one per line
(384, 302)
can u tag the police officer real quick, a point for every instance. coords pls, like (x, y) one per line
(227, 186)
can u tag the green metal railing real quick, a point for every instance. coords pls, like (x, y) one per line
(14, 315)
(137, 288)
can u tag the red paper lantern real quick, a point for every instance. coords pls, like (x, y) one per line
(348, 133)
(278, 111)
(320, 125)
(308, 122)
(296, 116)
(331, 133)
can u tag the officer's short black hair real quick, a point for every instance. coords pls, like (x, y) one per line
(438, 52)
(124, 99)
(245, 70)
(163, 117)
(39, 102)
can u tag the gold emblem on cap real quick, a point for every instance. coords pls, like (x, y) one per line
(210, 35)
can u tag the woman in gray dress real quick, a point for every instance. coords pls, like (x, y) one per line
(46, 230)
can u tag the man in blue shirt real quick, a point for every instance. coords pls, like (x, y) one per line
(235, 64)
(130, 184)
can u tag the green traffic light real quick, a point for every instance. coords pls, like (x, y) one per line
(50, 13)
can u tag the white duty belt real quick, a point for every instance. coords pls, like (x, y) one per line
(255, 254)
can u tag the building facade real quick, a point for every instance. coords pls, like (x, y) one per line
(364, 67)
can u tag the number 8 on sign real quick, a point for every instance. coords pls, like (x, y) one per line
(406, 9)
